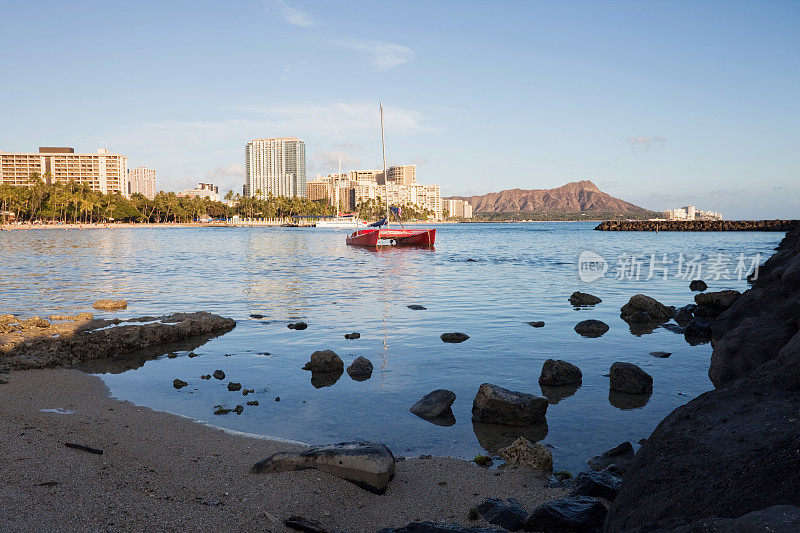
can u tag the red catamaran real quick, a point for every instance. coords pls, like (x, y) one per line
(373, 234)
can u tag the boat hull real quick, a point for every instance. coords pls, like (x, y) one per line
(398, 237)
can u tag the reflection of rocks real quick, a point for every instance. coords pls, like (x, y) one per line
(626, 400)
(360, 369)
(522, 452)
(556, 394)
(674, 328)
(370, 465)
(325, 379)
(580, 299)
(591, 328)
(697, 331)
(642, 328)
(495, 437)
(496, 405)
(81, 341)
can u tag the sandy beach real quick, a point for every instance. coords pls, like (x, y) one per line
(162, 472)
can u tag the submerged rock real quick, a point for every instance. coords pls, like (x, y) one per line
(370, 465)
(325, 361)
(575, 514)
(508, 514)
(110, 305)
(417, 307)
(524, 453)
(591, 328)
(661, 355)
(352, 336)
(360, 369)
(434, 404)
(205, 376)
(621, 456)
(629, 378)
(697, 331)
(657, 311)
(497, 405)
(454, 337)
(233, 387)
(178, 384)
(698, 285)
(683, 315)
(536, 324)
(580, 299)
(556, 373)
(219, 374)
(297, 325)
(252, 402)
(238, 409)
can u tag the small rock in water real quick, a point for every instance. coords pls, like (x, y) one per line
(172, 355)
(219, 374)
(238, 409)
(256, 316)
(110, 305)
(558, 373)
(434, 404)
(523, 453)
(662, 355)
(579, 299)
(352, 336)
(360, 369)
(698, 285)
(178, 384)
(205, 376)
(627, 377)
(454, 337)
(536, 324)
(233, 387)
(417, 307)
(297, 325)
(591, 328)
(252, 402)
(192, 354)
(657, 311)
(245, 392)
(277, 398)
(222, 411)
(325, 361)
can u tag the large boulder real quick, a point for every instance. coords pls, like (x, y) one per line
(435, 404)
(325, 361)
(721, 299)
(775, 519)
(591, 328)
(580, 299)
(556, 373)
(579, 514)
(640, 303)
(524, 453)
(683, 315)
(508, 514)
(496, 405)
(602, 484)
(370, 465)
(629, 378)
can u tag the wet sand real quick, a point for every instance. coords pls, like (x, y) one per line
(162, 472)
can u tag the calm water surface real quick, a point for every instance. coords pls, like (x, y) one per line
(484, 280)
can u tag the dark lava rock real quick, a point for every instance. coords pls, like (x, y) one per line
(297, 325)
(639, 317)
(252, 402)
(257, 316)
(657, 311)
(238, 409)
(568, 515)
(454, 337)
(620, 456)
(536, 324)
(432, 527)
(629, 378)
(556, 373)
(233, 387)
(360, 369)
(434, 404)
(205, 376)
(370, 465)
(775, 519)
(352, 336)
(674, 328)
(721, 299)
(245, 392)
(602, 484)
(219, 374)
(591, 328)
(325, 361)
(684, 314)
(661, 355)
(579, 299)
(277, 398)
(496, 405)
(222, 411)
(698, 285)
(698, 331)
(178, 384)
(417, 307)
(508, 513)
(192, 355)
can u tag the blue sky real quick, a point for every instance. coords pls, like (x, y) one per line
(659, 103)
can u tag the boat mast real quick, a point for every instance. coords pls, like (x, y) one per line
(385, 177)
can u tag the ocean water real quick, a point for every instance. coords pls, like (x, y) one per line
(486, 280)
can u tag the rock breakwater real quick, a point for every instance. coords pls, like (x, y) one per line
(698, 225)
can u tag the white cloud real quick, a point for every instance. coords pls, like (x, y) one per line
(327, 161)
(382, 55)
(646, 144)
(289, 14)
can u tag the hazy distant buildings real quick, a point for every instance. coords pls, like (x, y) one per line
(275, 166)
(142, 181)
(690, 212)
(403, 174)
(102, 171)
(457, 208)
(203, 190)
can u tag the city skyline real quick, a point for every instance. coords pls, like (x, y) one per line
(662, 105)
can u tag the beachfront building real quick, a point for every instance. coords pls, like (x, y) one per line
(403, 174)
(690, 212)
(102, 171)
(457, 208)
(203, 190)
(275, 166)
(336, 189)
(142, 180)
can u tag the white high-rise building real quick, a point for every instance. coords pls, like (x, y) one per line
(275, 166)
(142, 181)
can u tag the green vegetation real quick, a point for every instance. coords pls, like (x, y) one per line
(561, 475)
(376, 209)
(473, 514)
(482, 460)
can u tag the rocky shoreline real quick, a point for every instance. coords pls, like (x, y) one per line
(697, 225)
